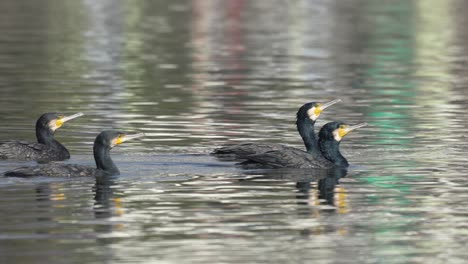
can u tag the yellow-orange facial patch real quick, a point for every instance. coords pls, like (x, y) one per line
(59, 122)
(318, 109)
(343, 130)
(340, 132)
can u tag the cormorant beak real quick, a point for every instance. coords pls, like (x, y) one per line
(122, 138)
(62, 119)
(320, 107)
(345, 129)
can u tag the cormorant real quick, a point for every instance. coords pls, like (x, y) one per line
(305, 120)
(330, 136)
(47, 147)
(104, 142)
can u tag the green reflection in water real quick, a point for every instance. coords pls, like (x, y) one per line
(389, 82)
(134, 69)
(399, 56)
(389, 85)
(388, 77)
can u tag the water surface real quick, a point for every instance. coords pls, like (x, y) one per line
(197, 74)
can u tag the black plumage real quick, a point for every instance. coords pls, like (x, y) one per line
(330, 136)
(104, 142)
(47, 148)
(305, 121)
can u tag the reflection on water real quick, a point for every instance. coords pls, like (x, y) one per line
(196, 74)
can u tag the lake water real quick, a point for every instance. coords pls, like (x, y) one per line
(197, 74)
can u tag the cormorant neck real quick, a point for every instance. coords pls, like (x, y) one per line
(103, 159)
(305, 127)
(46, 136)
(331, 151)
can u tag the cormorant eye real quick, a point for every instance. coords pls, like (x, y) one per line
(342, 126)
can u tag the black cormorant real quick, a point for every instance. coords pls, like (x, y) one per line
(47, 147)
(104, 142)
(305, 120)
(330, 136)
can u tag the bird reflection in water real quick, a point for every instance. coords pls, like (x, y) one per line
(44, 202)
(106, 205)
(326, 181)
(318, 195)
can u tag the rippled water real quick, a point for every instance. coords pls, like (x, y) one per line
(197, 74)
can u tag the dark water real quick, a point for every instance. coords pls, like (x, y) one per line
(197, 74)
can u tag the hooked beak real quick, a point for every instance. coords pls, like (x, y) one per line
(319, 109)
(344, 131)
(62, 120)
(124, 138)
(326, 105)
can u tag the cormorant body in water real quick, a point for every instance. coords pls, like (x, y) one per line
(306, 117)
(47, 147)
(104, 142)
(330, 136)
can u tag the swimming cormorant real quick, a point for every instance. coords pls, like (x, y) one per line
(47, 147)
(305, 120)
(104, 142)
(330, 136)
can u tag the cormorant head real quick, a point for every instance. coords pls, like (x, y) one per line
(53, 121)
(112, 138)
(337, 130)
(313, 110)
